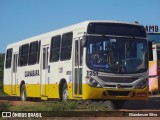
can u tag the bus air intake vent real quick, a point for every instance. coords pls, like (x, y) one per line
(118, 79)
(122, 86)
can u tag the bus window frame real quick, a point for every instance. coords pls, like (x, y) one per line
(10, 58)
(20, 54)
(52, 48)
(64, 48)
(31, 53)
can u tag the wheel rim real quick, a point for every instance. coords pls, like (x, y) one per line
(65, 94)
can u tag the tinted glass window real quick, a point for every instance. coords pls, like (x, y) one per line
(8, 58)
(150, 51)
(81, 53)
(19, 56)
(45, 58)
(117, 54)
(76, 53)
(15, 56)
(158, 55)
(24, 55)
(66, 46)
(55, 48)
(33, 53)
(39, 49)
(116, 29)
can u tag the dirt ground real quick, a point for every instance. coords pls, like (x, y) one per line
(153, 104)
(150, 106)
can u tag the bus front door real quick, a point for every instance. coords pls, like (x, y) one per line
(77, 71)
(44, 68)
(14, 73)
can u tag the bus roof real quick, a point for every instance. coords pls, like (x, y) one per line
(81, 25)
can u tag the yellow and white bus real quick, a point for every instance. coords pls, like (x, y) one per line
(91, 60)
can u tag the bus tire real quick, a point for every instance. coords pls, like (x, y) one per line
(109, 105)
(23, 93)
(65, 92)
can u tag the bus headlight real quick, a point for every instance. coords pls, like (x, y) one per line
(92, 82)
(141, 84)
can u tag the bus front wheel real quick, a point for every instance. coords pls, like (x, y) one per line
(23, 93)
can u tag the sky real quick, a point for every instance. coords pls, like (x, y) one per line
(21, 19)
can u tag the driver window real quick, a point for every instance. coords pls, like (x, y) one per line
(140, 51)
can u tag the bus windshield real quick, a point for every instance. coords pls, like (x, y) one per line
(116, 54)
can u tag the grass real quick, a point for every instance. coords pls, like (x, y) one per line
(1, 74)
(52, 106)
(63, 106)
(4, 106)
(1, 89)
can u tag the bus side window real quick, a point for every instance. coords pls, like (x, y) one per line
(55, 48)
(9, 58)
(76, 53)
(33, 51)
(39, 49)
(66, 46)
(81, 53)
(24, 55)
(19, 56)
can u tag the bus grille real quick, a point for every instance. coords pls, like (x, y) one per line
(118, 79)
(118, 93)
(122, 86)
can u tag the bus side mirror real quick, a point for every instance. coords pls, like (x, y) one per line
(84, 41)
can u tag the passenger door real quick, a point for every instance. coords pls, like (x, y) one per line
(14, 73)
(44, 68)
(77, 70)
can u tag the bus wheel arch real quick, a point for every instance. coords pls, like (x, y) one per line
(23, 93)
(63, 90)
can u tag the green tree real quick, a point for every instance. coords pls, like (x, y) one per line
(1, 73)
(1, 66)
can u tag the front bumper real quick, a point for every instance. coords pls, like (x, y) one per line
(114, 94)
